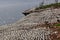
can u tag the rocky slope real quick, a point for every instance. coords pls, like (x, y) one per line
(29, 27)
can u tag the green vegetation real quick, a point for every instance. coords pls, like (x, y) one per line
(57, 24)
(54, 5)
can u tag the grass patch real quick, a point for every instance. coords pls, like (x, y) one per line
(54, 5)
(57, 24)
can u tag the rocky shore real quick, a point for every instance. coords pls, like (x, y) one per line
(34, 26)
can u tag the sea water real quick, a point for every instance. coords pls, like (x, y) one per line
(11, 10)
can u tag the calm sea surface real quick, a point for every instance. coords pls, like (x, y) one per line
(11, 10)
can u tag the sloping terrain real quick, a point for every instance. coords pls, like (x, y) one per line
(32, 27)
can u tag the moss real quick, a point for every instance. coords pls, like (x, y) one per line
(55, 5)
